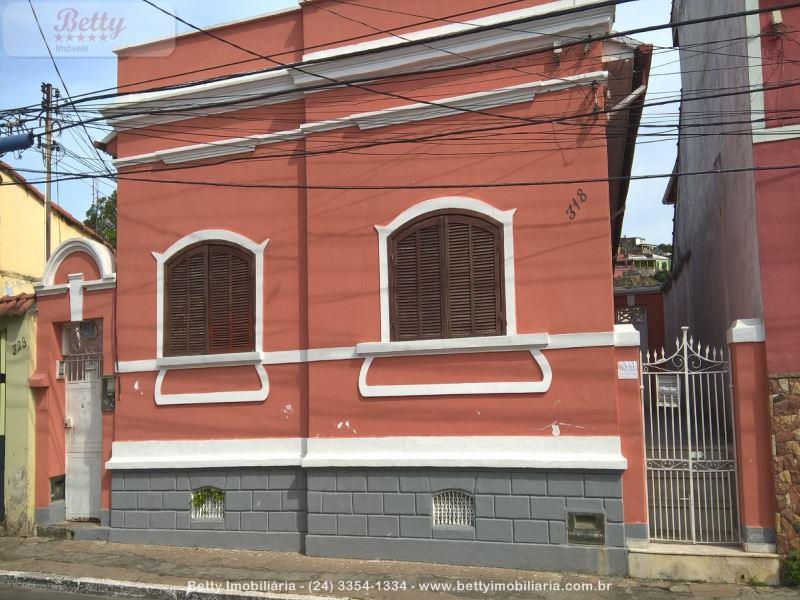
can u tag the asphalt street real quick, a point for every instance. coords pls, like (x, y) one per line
(18, 593)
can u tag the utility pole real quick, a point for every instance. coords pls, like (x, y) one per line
(47, 105)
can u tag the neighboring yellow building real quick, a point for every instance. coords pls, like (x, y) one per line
(22, 261)
(22, 243)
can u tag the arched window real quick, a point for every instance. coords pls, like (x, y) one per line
(446, 277)
(210, 300)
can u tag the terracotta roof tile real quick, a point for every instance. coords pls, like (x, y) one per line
(16, 305)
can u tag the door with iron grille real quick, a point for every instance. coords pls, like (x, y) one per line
(689, 445)
(83, 355)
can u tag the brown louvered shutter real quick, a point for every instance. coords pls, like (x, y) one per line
(417, 282)
(186, 303)
(231, 300)
(473, 273)
(446, 278)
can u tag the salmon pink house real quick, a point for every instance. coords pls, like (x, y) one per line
(364, 301)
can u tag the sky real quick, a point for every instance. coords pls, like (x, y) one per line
(24, 66)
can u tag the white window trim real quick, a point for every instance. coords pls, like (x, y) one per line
(210, 235)
(448, 389)
(212, 360)
(504, 217)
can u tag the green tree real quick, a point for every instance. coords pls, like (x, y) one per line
(102, 217)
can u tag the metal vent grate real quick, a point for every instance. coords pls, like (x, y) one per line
(208, 504)
(452, 507)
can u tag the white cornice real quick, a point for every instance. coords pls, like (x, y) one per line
(463, 45)
(480, 39)
(368, 120)
(523, 451)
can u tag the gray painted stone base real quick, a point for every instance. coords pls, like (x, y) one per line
(758, 535)
(636, 531)
(247, 540)
(603, 561)
(520, 516)
(55, 513)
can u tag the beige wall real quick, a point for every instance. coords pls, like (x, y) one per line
(22, 247)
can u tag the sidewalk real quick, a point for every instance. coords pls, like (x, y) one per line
(319, 577)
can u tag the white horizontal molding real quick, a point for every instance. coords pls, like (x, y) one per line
(209, 360)
(455, 389)
(486, 37)
(626, 336)
(535, 452)
(187, 454)
(479, 39)
(743, 331)
(557, 341)
(469, 102)
(775, 134)
(408, 113)
(192, 101)
(455, 345)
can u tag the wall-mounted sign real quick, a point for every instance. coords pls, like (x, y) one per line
(627, 369)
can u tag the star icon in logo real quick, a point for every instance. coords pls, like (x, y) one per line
(103, 37)
(92, 37)
(81, 37)
(69, 37)
(58, 37)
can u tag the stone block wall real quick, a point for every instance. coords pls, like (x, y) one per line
(785, 417)
(267, 501)
(520, 517)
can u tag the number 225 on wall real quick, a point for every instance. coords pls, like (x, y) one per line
(575, 205)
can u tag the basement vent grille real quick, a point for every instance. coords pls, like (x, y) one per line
(452, 507)
(208, 504)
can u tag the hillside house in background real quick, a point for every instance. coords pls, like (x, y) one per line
(635, 254)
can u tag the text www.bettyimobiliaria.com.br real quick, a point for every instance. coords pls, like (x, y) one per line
(330, 586)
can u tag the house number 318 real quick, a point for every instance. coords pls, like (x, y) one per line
(575, 205)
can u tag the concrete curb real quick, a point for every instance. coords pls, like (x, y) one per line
(110, 587)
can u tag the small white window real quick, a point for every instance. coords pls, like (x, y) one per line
(208, 504)
(452, 507)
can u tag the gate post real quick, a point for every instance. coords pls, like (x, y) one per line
(631, 430)
(752, 434)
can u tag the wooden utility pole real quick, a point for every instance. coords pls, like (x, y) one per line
(47, 105)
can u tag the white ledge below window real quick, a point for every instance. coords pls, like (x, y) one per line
(451, 345)
(209, 360)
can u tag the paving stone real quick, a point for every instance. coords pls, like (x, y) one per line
(383, 526)
(149, 500)
(512, 507)
(263, 500)
(399, 504)
(239, 500)
(564, 484)
(336, 502)
(551, 509)
(123, 500)
(162, 519)
(382, 482)
(493, 482)
(322, 524)
(603, 485)
(254, 521)
(494, 530)
(532, 532)
(368, 504)
(528, 483)
(352, 524)
(415, 527)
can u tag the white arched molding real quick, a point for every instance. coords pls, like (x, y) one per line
(103, 258)
(101, 255)
(212, 360)
(505, 218)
